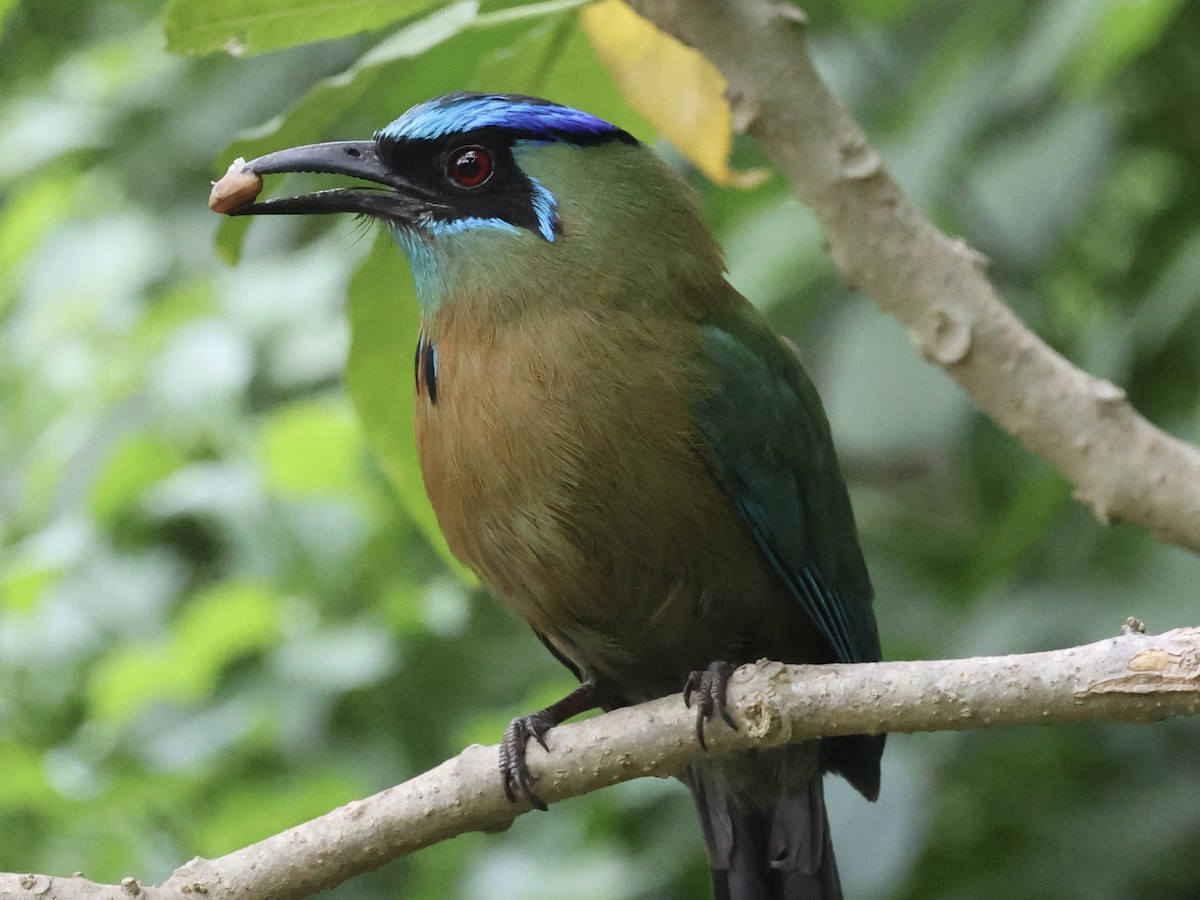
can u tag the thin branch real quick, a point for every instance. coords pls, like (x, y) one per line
(1132, 678)
(1121, 465)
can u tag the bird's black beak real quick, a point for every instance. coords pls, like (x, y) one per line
(397, 200)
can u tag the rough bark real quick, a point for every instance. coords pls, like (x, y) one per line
(1131, 678)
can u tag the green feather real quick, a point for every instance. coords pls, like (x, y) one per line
(773, 453)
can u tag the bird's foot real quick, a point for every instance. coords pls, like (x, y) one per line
(514, 770)
(709, 686)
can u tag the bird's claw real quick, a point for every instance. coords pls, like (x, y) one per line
(514, 771)
(709, 687)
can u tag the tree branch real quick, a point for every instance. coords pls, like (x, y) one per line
(1132, 678)
(1121, 465)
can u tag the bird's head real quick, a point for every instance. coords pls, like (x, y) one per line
(516, 199)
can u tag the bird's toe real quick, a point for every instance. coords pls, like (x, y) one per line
(708, 688)
(514, 769)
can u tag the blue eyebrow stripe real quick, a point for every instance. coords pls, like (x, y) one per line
(529, 116)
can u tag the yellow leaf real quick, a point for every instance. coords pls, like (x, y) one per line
(673, 86)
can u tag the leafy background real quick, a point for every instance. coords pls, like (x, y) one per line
(223, 609)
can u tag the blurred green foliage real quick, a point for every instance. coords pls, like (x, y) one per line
(218, 618)
(241, 27)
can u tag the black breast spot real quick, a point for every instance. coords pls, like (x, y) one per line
(425, 368)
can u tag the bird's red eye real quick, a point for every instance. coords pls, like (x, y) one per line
(469, 167)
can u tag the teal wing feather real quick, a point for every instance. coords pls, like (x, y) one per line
(772, 451)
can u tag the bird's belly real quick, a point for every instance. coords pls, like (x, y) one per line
(579, 493)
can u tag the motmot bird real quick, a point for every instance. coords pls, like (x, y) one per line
(619, 445)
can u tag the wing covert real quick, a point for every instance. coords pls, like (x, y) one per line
(773, 454)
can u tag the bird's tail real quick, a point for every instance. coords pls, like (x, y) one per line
(759, 848)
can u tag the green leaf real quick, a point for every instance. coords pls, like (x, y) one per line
(312, 448)
(30, 212)
(223, 623)
(5, 7)
(217, 627)
(231, 234)
(1123, 32)
(24, 785)
(243, 27)
(138, 462)
(521, 67)
(383, 327)
(22, 585)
